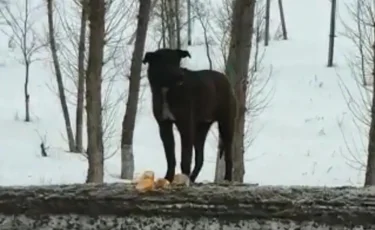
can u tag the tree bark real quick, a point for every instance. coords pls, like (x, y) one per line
(93, 92)
(27, 53)
(331, 46)
(26, 91)
(370, 168)
(237, 69)
(27, 61)
(359, 22)
(81, 77)
(282, 19)
(178, 24)
(189, 21)
(220, 166)
(267, 21)
(163, 22)
(59, 78)
(154, 4)
(128, 124)
(171, 24)
(114, 206)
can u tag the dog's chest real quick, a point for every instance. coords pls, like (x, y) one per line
(166, 113)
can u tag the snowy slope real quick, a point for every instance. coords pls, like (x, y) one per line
(298, 139)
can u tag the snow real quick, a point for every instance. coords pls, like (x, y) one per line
(299, 138)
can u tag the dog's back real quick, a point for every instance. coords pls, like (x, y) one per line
(211, 91)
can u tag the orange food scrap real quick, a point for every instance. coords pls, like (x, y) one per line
(161, 183)
(148, 175)
(145, 185)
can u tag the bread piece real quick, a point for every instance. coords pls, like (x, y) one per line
(161, 183)
(181, 180)
(145, 185)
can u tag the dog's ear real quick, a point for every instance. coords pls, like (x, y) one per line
(148, 57)
(184, 53)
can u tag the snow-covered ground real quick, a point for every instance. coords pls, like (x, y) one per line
(298, 138)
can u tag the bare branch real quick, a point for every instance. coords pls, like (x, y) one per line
(357, 92)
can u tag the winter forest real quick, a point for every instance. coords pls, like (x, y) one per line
(76, 102)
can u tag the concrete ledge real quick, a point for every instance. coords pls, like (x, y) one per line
(200, 207)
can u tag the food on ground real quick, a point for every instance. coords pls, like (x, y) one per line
(181, 179)
(161, 183)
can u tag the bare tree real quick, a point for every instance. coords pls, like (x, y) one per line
(216, 23)
(170, 20)
(22, 34)
(93, 91)
(163, 22)
(75, 69)
(332, 29)
(258, 92)
(282, 19)
(59, 77)
(267, 21)
(81, 76)
(178, 24)
(203, 16)
(360, 98)
(73, 55)
(116, 62)
(189, 21)
(237, 67)
(370, 167)
(154, 3)
(127, 157)
(171, 23)
(267, 26)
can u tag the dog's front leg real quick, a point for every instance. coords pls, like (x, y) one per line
(186, 129)
(166, 135)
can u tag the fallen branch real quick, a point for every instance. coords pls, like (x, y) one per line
(120, 206)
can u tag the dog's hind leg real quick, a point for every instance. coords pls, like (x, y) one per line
(226, 132)
(186, 130)
(201, 132)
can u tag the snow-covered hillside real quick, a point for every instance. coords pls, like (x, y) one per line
(298, 139)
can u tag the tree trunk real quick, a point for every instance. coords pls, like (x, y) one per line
(240, 207)
(220, 166)
(359, 21)
(332, 29)
(163, 22)
(239, 136)
(171, 24)
(267, 26)
(177, 18)
(189, 21)
(257, 31)
(153, 4)
(127, 157)
(59, 78)
(282, 19)
(26, 58)
(26, 91)
(237, 69)
(81, 78)
(93, 92)
(370, 169)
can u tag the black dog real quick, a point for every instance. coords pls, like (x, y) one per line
(192, 100)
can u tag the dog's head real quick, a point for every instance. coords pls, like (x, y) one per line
(164, 66)
(162, 57)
